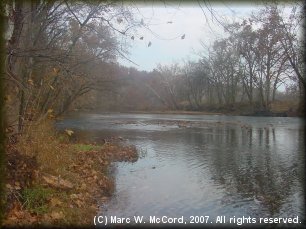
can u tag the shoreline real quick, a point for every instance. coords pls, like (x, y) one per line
(73, 186)
(182, 112)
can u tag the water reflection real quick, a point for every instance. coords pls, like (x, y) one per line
(256, 172)
(253, 166)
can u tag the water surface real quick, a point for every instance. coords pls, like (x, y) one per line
(203, 164)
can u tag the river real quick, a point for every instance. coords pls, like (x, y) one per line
(196, 165)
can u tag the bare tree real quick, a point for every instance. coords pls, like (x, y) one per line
(53, 46)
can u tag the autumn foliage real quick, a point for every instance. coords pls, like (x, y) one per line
(54, 182)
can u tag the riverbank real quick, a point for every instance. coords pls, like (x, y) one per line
(277, 109)
(232, 113)
(53, 182)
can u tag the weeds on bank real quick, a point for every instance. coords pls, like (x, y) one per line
(35, 199)
(51, 149)
(83, 165)
(86, 147)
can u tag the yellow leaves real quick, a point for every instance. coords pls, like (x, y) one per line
(7, 98)
(57, 182)
(56, 70)
(17, 185)
(57, 215)
(74, 196)
(31, 82)
(8, 186)
(83, 186)
(78, 199)
(79, 203)
(69, 132)
(51, 116)
(55, 202)
(50, 113)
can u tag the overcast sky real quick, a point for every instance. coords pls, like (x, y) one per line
(167, 46)
(168, 23)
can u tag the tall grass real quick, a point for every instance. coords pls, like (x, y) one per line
(40, 140)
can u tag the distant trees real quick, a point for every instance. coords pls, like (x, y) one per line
(169, 77)
(194, 82)
(57, 52)
(259, 55)
(225, 71)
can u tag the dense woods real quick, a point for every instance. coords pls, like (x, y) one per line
(61, 56)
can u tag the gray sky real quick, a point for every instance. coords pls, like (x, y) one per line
(167, 46)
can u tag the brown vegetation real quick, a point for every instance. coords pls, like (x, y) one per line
(53, 182)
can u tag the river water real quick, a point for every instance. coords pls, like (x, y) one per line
(203, 165)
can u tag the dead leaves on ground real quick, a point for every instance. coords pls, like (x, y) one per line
(57, 182)
(80, 194)
(17, 217)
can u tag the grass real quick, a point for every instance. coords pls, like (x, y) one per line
(54, 154)
(86, 147)
(35, 199)
(83, 165)
(51, 149)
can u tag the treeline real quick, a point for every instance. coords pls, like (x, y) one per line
(259, 62)
(261, 55)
